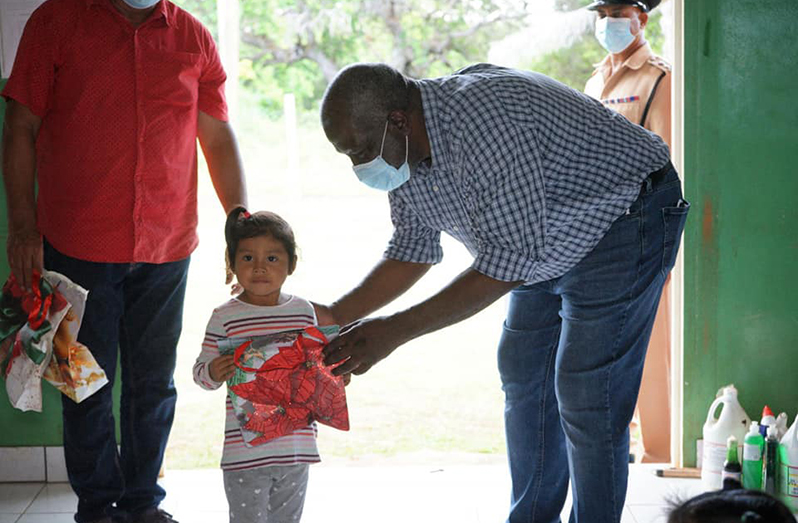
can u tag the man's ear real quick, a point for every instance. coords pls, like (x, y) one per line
(400, 120)
(643, 18)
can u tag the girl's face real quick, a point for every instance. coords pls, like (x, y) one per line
(261, 267)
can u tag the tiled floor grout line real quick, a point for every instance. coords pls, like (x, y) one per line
(32, 501)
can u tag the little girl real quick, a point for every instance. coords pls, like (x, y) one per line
(266, 482)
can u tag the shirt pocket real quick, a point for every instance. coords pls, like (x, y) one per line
(631, 107)
(170, 78)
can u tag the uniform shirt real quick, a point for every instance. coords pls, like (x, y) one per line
(628, 90)
(238, 319)
(526, 172)
(116, 153)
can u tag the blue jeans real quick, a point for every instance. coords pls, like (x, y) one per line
(571, 360)
(133, 310)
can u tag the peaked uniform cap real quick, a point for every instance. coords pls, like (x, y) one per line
(645, 5)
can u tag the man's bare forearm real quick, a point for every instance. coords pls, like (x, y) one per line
(225, 167)
(466, 295)
(388, 280)
(20, 129)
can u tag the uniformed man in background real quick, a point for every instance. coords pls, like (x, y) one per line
(637, 83)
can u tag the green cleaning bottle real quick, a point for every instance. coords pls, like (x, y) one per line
(753, 447)
(732, 471)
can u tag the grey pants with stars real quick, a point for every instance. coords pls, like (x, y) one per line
(273, 494)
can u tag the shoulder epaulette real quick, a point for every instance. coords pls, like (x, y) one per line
(660, 64)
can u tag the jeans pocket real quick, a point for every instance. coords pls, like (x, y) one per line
(674, 219)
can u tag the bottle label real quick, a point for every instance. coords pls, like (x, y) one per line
(790, 480)
(731, 475)
(752, 452)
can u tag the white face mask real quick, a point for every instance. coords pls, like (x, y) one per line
(141, 4)
(379, 174)
(614, 34)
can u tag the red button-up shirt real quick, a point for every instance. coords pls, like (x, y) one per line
(117, 149)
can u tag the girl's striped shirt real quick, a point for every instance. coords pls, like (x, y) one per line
(237, 319)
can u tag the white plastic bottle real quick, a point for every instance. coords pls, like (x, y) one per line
(781, 425)
(733, 421)
(788, 467)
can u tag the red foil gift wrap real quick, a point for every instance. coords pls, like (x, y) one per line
(281, 383)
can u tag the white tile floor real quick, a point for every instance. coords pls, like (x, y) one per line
(353, 494)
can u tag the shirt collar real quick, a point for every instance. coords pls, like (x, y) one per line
(430, 103)
(162, 10)
(636, 61)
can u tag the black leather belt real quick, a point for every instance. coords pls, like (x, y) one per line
(656, 178)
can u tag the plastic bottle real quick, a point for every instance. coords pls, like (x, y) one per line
(732, 471)
(771, 457)
(768, 420)
(788, 465)
(781, 425)
(733, 421)
(753, 449)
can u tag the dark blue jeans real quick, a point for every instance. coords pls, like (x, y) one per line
(134, 310)
(571, 360)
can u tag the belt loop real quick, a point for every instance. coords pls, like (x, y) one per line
(649, 184)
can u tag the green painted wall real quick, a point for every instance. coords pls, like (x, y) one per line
(741, 172)
(29, 428)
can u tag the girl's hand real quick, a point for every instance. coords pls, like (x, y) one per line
(222, 368)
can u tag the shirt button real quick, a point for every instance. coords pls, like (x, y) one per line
(435, 188)
(455, 228)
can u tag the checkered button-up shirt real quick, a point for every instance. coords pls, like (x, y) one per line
(527, 173)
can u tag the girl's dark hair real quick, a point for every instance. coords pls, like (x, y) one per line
(241, 224)
(731, 505)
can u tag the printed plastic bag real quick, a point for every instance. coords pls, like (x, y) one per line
(30, 321)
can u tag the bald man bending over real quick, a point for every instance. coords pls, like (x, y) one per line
(565, 205)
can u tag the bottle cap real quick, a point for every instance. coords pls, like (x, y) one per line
(766, 412)
(754, 428)
(731, 441)
(772, 431)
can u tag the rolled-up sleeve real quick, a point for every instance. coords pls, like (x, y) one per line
(412, 240)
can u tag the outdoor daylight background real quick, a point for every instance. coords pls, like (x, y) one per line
(439, 397)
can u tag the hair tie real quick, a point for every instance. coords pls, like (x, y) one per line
(246, 215)
(750, 517)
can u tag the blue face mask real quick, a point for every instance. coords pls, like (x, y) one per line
(379, 174)
(141, 4)
(614, 34)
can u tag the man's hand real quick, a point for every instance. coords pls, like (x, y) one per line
(66, 374)
(25, 253)
(222, 368)
(362, 344)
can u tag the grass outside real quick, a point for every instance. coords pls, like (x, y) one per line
(439, 394)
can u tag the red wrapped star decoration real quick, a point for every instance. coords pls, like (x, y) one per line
(281, 384)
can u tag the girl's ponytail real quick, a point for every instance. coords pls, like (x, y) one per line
(231, 239)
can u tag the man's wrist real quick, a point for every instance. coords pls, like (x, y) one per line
(408, 324)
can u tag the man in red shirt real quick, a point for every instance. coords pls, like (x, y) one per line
(105, 103)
